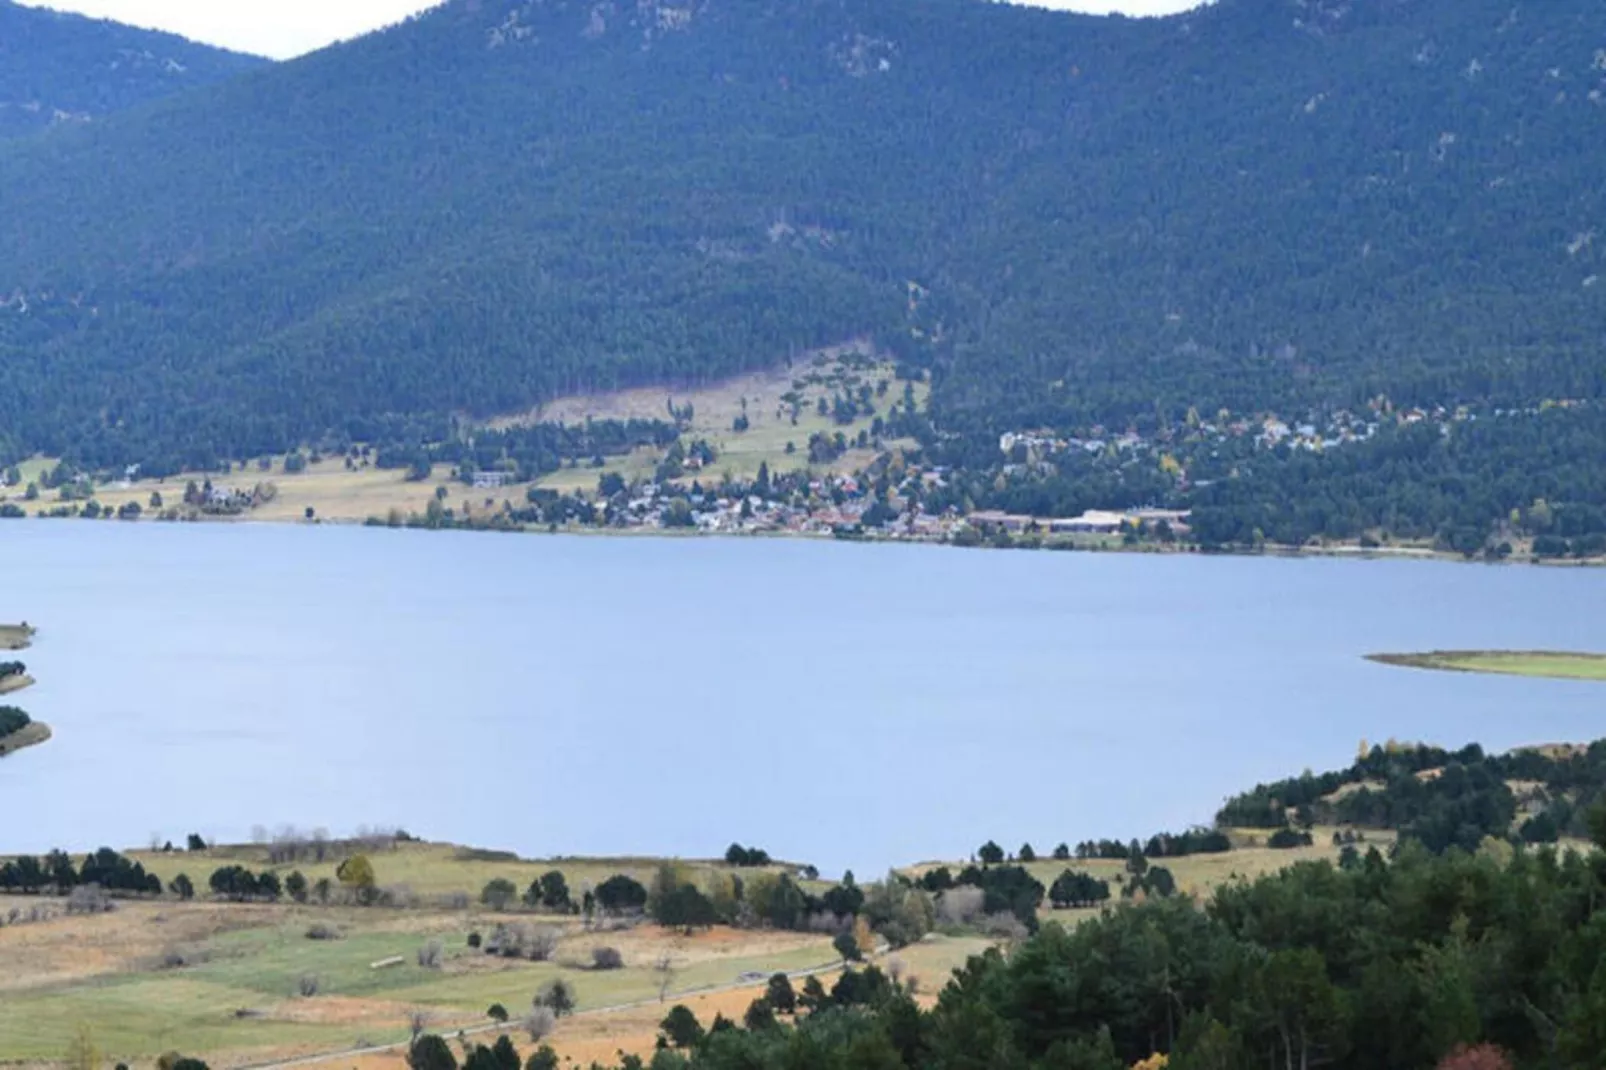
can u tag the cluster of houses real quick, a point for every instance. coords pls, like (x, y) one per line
(1092, 522)
(838, 505)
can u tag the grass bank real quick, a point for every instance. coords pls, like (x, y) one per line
(31, 736)
(1548, 664)
(16, 636)
(16, 683)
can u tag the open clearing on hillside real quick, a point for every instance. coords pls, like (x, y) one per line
(1555, 665)
(765, 398)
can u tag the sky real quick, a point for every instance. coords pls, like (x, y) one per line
(286, 28)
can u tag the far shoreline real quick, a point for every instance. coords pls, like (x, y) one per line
(1341, 551)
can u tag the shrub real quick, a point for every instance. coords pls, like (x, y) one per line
(607, 958)
(681, 1028)
(1003, 926)
(474, 940)
(960, 907)
(497, 894)
(539, 1023)
(557, 997)
(621, 893)
(430, 1052)
(322, 931)
(848, 947)
(543, 1058)
(1287, 838)
(780, 994)
(307, 985)
(760, 1016)
(496, 1013)
(430, 956)
(89, 899)
(543, 942)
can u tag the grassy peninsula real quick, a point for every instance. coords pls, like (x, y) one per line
(1548, 664)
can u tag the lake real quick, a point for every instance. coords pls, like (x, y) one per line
(850, 705)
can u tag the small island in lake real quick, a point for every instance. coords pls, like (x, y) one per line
(16, 636)
(17, 729)
(1550, 664)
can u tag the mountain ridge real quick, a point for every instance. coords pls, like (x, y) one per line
(60, 68)
(1259, 205)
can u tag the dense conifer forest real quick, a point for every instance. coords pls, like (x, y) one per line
(1083, 226)
(59, 69)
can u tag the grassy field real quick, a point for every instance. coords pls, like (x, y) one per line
(762, 398)
(427, 870)
(1196, 875)
(224, 980)
(1556, 665)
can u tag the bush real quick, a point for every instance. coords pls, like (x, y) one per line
(540, 1022)
(474, 940)
(780, 994)
(959, 907)
(557, 997)
(681, 1028)
(543, 1058)
(321, 931)
(497, 894)
(307, 985)
(621, 893)
(607, 958)
(496, 1013)
(430, 1052)
(543, 942)
(431, 955)
(1285, 839)
(848, 947)
(89, 899)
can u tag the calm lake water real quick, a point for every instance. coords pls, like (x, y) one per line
(843, 704)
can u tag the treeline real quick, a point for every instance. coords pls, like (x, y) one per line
(1438, 797)
(55, 873)
(9, 669)
(1456, 961)
(528, 452)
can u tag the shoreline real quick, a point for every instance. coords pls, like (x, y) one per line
(1337, 550)
(12, 684)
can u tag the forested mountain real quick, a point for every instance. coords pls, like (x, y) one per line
(60, 69)
(1264, 205)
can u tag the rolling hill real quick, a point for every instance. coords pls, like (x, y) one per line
(59, 69)
(1267, 204)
